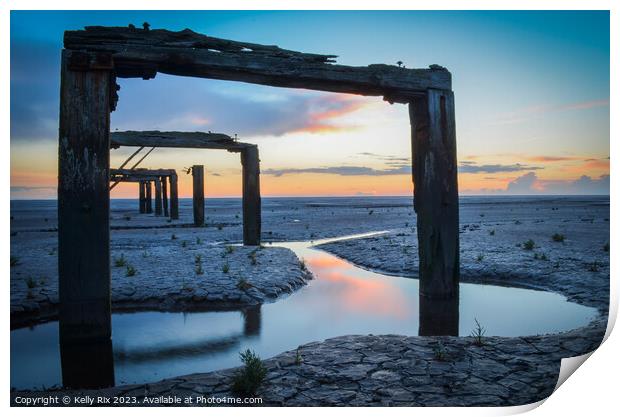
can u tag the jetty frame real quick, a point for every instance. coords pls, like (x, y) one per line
(92, 60)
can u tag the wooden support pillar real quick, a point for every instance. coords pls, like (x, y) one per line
(142, 197)
(251, 196)
(149, 196)
(433, 145)
(158, 206)
(198, 174)
(174, 197)
(164, 194)
(84, 204)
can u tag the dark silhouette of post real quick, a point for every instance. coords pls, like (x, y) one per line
(252, 319)
(164, 194)
(84, 205)
(141, 197)
(198, 174)
(87, 365)
(149, 196)
(433, 145)
(174, 197)
(158, 203)
(251, 196)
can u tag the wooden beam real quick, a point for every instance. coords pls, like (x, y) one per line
(158, 203)
(433, 144)
(164, 195)
(198, 174)
(159, 139)
(144, 53)
(142, 171)
(84, 205)
(174, 197)
(142, 197)
(149, 197)
(251, 196)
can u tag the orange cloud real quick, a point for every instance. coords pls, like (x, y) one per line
(325, 110)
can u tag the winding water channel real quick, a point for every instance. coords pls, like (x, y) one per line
(342, 299)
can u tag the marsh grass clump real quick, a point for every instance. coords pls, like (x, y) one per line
(480, 257)
(252, 257)
(249, 379)
(492, 232)
(120, 261)
(14, 261)
(173, 237)
(130, 271)
(225, 268)
(558, 237)
(439, 351)
(198, 241)
(298, 358)
(528, 244)
(229, 249)
(31, 283)
(302, 264)
(184, 244)
(243, 284)
(478, 333)
(145, 254)
(199, 270)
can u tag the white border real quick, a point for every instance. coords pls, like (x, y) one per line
(593, 390)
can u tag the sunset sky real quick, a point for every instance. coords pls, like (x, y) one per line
(531, 91)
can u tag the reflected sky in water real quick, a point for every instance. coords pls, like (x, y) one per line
(342, 299)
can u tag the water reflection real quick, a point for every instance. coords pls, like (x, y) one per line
(342, 299)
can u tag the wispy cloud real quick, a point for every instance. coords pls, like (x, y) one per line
(470, 167)
(526, 113)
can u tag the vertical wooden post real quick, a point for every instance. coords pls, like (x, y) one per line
(149, 196)
(84, 204)
(158, 206)
(433, 145)
(164, 194)
(174, 197)
(198, 174)
(251, 196)
(142, 196)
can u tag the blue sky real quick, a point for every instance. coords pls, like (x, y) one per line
(531, 89)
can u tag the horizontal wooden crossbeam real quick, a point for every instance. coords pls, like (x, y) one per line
(134, 52)
(177, 140)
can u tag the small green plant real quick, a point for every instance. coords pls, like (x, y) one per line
(298, 358)
(173, 237)
(120, 261)
(439, 351)
(31, 283)
(145, 254)
(248, 380)
(480, 257)
(197, 259)
(199, 270)
(243, 284)
(528, 244)
(184, 244)
(594, 267)
(606, 247)
(478, 333)
(225, 268)
(198, 241)
(130, 271)
(543, 257)
(229, 249)
(302, 264)
(252, 257)
(492, 232)
(558, 237)
(14, 261)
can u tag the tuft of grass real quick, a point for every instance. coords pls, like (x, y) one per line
(225, 268)
(198, 241)
(492, 232)
(229, 249)
(302, 264)
(248, 379)
(606, 247)
(120, 261)
(130, 271)
(543, 257)
(243, 284)
(252, 257)
(199, 270)
(31, 283)
(478, 333)
(528, 244)
(184, 244)
(298, 358)
(14, 261)
(558, 237)
(480, 257)
(439, 351)
(594, 267)
(145, 254)
(173, 237)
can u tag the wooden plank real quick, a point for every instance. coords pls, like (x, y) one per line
(142, 171)
(158, 202)
(143, 53)
(174, 197)
(149, 197)
(433, 144)
(159, 139)
(198, 175)
(251, 196)
(164, 195)
(84, 205)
